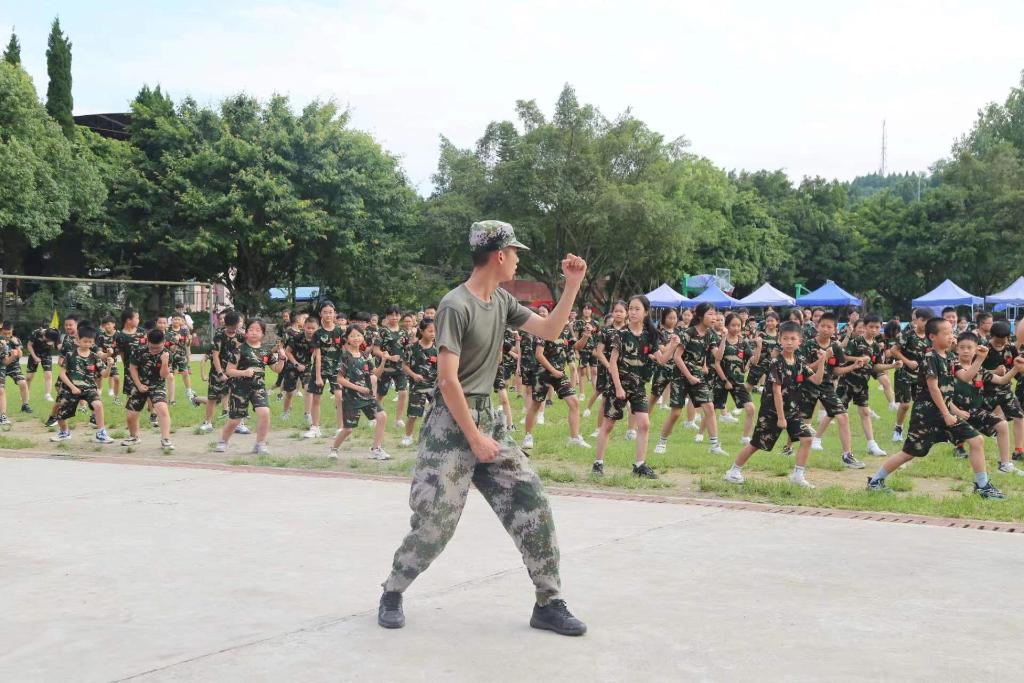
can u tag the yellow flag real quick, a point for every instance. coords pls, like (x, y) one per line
(55, 321)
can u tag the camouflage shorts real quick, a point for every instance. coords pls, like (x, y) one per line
(767, 430)
(755, 375)
(44, 360)
(528, 376)
(398, 379)
(739, 393)
(826, 394)
(927, 429)
(502, 376)
(903, 388)
(292, 378)
(587, 358)
(543, 381)
(636, 398)
(240, 399)
(137, 401)
(67, 403)
(216, 389)
(445, 467)
(13, 372)
(112, 370)
(853, 392)
(179, 363)
(603, 380)
(351, 407)
(418, 400)
(985, 422)
(677, 392)
(1005, 400)
(330, 384)
(660, 381)
(699, 393)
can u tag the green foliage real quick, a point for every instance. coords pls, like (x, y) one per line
(12, 53)
(59, 102)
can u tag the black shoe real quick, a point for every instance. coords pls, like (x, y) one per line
(1018, 455)
(26, 408)
(50, 421)
(644, 471)
(960, 452)
(598, 469)
(878, 485)
(548, 402)
(555, 616)
(989, 491)
(787, 450)
(390, 614)
(92, 419)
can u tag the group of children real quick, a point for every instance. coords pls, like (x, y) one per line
(953, 388)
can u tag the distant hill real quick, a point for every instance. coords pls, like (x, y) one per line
(903, 185)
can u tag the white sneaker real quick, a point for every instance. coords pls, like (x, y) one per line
(528, 441)
(406, 441)
(661, 446)
(165, 444)
(242, 429)
(222, 446)
(49, 398)
(816, 444)
(131, 441)
(379, 454)
(60, 436)
(311, 433)
(800, 481)
(103, 437)
(110, 392)
(737, 411)
(893, 406)
(261, 449)
(298, 393)
(630, 435)
(897, 435)
(596, 433)
(873, 414)
(699, 438)
(540, 417)
(582, 398)
(372, 423)
(727, 418)
(1010, 468)
(586, 412)
(578, 441)
(692, 424)
(873, 449)
(205, 428)
(744, 440)
(734, 476)
(400, 424)
(332, 454)
(717, 450)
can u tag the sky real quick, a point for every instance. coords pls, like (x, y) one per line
(797, 86)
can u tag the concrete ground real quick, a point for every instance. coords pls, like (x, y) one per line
(118, 571)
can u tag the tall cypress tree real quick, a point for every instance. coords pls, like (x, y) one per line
(12, 55)
(58, 67)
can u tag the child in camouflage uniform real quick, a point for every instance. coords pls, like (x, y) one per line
(969, 397)
(78, 383)
(247, 370)
(630, 349)
(13, 369)
(999, 396)
(327, 346)
(149, 369)
(553, 374)
(780, 411)
(662, 373)
(41, 345)
(226, 342)
(421, 367)
(358, 375)
(732, 357)
(613, 323)
(5, 357)
(179, 338)
(584, 329)
(506, 371)
(389, 347)
(105, 343)
(298, 348)
(909, 348)
(766, 349)
(935, 418)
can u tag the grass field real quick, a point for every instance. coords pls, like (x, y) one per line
(937, 485)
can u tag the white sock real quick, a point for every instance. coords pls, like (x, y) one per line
(798, 471)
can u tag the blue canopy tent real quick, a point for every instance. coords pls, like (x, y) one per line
(947, 294)
(1011, 296)
(666, 297)
(717, 297)
(766, 295)
(301, 293)
(829, 294)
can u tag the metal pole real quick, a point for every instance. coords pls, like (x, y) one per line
(3, 297)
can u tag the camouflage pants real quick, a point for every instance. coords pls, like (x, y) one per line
(445, 466)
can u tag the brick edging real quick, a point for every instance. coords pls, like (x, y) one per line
(802, 511)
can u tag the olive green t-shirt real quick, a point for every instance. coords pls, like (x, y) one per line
(473, 331)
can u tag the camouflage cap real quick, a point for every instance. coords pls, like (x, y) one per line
(493, 235)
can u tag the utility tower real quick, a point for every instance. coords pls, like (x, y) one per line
(881, 168)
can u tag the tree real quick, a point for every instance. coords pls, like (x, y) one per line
(58, 67)
(12, 54)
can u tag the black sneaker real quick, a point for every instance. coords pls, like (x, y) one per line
(989, 491)
(959, 452)
(555, 616)
(644, 471)
(26, 408)
(852, 462)
(390, 614)
(787, 450)
(1018, 455)
(51, 421)
(598, 469)
(153, 421)
(878, 485)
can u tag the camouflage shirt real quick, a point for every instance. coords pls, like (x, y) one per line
(633, 352)
(254, 357)
(941, 368)
(734, 360)
(770, 348)
(68, 344)
(13, 344)
(579, 328)
(913, 348)
(82, 370)
(301, 348)
(968, 395)
(527, 344)
(177, 342)
(508, 345)
(126, 343)
(148, 366)
(811, 350)
(331, 343)
(357, 370)
(791, 377)
(860, 346)
(695, 348)
(39, 343)
(392, 343)
(995, 359)
(227, 346)
(423, 361)
(557, 351)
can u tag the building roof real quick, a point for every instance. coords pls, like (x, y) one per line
(108, 125)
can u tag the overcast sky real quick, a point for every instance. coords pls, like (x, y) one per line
(798, 86)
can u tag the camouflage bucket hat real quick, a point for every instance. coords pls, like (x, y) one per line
(492, 236)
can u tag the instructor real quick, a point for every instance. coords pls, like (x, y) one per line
(461, 441)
